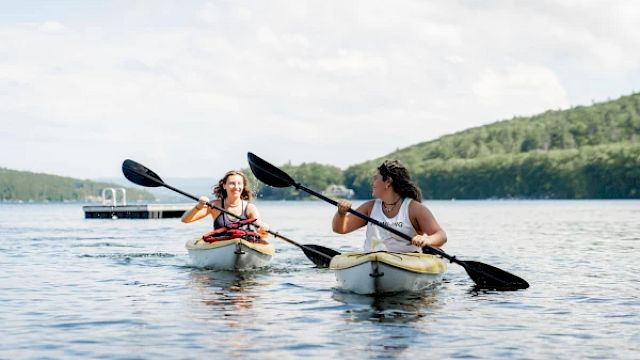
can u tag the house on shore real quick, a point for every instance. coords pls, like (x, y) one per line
(338, 191)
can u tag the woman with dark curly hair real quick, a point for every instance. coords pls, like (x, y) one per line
(398, 204)
(232, 194)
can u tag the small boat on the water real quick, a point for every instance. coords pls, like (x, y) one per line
(383, 272)
(232, 254)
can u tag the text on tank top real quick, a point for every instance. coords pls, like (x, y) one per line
(379, 239)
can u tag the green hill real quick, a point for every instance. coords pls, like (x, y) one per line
(28, 186)
(584, 152)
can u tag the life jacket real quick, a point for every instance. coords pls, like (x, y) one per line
(233, 231)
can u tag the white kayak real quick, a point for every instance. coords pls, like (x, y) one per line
(233, 254)
(383, 272)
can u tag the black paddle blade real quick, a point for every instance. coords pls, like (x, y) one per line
(490, 277)
(319, 255)
(140, 174)
(268, 173)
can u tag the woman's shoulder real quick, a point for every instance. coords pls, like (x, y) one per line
(368, 205)
(217, 202)
(250, 207)
(417, 208)
(413, 203)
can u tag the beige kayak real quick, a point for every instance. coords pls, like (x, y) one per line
(387, 272)
(233, 254)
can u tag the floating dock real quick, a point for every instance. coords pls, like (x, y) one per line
(155, 211)
(112, 209)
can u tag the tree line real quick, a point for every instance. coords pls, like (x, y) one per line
(610, 171)
(28, 186)
(313, 175)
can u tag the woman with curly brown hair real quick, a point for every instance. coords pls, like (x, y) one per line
(234, 195)
(398, 204)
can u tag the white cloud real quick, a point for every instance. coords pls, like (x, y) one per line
(521, 89)
(52, 27)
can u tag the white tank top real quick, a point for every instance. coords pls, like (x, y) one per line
(381, 239)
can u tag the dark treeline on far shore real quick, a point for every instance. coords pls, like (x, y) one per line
(25, 186)
(586, 152)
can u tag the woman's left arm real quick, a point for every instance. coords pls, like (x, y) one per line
(429, 231)
(261, 227)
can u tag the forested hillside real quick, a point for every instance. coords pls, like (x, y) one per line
(584, 152)
(28, 186)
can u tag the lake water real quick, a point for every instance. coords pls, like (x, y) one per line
(114, 289)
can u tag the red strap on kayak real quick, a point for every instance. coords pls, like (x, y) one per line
(232, 231)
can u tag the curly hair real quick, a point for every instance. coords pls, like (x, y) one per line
(221, 193)
(400, 179)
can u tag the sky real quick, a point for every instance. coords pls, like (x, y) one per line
(187, 88)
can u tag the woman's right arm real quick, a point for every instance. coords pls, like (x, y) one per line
(344, 223)
(199, 211)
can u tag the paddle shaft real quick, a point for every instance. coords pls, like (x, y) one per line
(378, 223)
(275, 234)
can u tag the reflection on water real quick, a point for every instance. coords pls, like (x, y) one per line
(402, 307)
(225, 299)
(227, 291)
(388, 326)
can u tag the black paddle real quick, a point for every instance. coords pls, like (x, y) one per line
(485, 276)
(141, 175)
